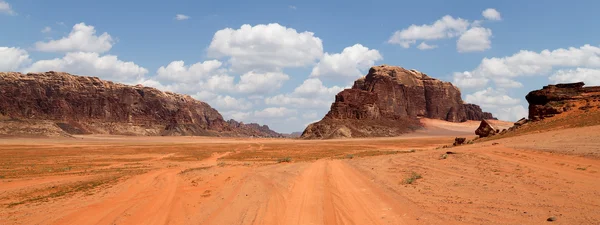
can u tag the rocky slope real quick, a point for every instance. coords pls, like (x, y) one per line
(388, 101)
(89, 105)
(560, 98)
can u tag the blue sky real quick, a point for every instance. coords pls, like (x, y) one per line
(284, 67)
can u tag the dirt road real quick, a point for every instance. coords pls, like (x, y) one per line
(508, 182)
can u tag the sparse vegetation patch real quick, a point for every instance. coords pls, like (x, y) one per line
(284, 160)
(412, 178)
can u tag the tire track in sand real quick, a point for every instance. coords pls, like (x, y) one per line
(331, 192)
(144, 199)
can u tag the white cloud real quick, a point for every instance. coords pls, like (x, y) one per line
(268, 47)
(490, 98)
(261, 83)
(177, 71)
(513, 113)
(446, 27)
(6, 8)
(299, 102)
(92, 64)
(46, 30)
(491, 14)
(181, 17)
(237, 115)
(425, 46)
(504, 82)
(82, 38)
(476, 39)
(221, 83)
(13, 58)
(313, 87)
(467, 80)
(588, 76)
(529, 63)
(348, 63)
(224, 102)
(274, 112)
(311, 94)
(292, 7)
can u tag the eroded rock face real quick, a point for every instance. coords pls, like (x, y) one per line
(560, 98)
(388, 101)
(89, 105)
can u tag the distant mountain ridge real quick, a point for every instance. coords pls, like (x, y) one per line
(61, 102)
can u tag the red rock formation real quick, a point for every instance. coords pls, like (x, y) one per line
(387, 102)
(253, 129)
(81, 105)
(560, 98)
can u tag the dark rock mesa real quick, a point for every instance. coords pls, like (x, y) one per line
(388, 102)
(556, 99)
(56, 101)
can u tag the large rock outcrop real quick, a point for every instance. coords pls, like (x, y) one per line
(560, 98)
(89, 105)
(388, 101)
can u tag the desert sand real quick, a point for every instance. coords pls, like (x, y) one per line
(524, 179)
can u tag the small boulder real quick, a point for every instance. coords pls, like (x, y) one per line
(459, 141)
(485, 129)
(521, 122)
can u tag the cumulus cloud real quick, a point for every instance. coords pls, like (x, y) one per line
(92, 64)
(491, 14)
(313, 87)
(177, 71)
(472, 37)
(274, 112)
(476, 39)
(348, 63)
(589, 76)
(268, 47)
(513, 113)
(82, 38)
(498, 103)
(5, 8)
(529, 63)
(181, 17)
(261, 83)
(446, 27)
(425, 46)
(223, 102)
(311, 94)
(237, 115)
(491, 98)
(468, 80)
(13, 58)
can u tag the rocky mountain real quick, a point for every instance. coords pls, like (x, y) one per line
(388, 102)
(560, 98)
(254, 129)
(55, 101)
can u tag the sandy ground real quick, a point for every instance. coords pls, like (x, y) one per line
(193, 180)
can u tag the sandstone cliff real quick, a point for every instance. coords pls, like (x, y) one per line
(560, 98)
(388, 101)
(89, 105)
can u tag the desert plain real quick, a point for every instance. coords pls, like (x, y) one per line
(419, 178)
